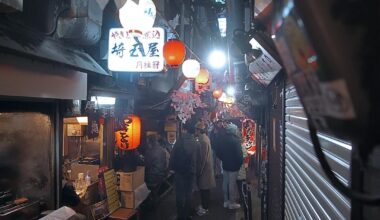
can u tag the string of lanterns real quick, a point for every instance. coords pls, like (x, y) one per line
(175, 53)
(174, 50)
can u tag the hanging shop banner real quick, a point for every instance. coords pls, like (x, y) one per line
(249, 135)
(265, 67)
(136, 51)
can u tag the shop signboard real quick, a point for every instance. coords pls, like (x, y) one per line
(136, 51)
(265, 67)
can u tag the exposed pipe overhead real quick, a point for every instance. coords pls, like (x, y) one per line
(11, 5)
(235, 21)
(83, 21)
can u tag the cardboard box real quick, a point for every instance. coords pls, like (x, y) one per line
(130, 181)
(122, 214)
(133, 199)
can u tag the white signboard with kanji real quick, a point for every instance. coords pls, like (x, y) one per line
(265, 67)
(136, 51)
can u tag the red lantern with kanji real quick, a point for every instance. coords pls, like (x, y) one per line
(130, 137)
(217, 93)
(249, 135)
(174, 53)
(203, 76)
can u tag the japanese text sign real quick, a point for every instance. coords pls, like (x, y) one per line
(265, 67)
(136, 51)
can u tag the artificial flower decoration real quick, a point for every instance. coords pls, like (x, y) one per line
(184, 104)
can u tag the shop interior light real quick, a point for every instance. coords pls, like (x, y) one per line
(217, 59)
(83, 120)
(101, 100)
(227, 99)
(231, 91)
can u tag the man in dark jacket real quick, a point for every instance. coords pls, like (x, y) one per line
(155, 162)
(228, 150)
(183, 161)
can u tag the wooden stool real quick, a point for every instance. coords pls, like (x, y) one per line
(123, 214)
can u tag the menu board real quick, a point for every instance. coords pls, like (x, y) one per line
(110, 186)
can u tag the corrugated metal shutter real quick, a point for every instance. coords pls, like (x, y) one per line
(308, 193)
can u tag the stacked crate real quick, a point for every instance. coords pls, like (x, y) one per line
(132, 188)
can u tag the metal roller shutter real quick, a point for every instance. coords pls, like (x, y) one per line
(308, 193)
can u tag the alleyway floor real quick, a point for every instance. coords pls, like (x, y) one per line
(166, 209)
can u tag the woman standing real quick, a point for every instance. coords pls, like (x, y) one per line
(206, 179)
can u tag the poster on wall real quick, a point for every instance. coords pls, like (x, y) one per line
(135, 50)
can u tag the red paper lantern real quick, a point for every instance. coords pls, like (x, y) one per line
(130, 138)
(203, 76)
(217, 93)
(174, 53)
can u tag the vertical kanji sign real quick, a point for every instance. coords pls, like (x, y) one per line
(136, 51)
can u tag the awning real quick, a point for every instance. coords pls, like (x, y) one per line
(25, 42)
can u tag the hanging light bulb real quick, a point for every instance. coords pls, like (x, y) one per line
(227, 99)
(191, 68)
(231, 91)
(217, 59)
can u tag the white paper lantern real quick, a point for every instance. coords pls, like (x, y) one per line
(191, 68)
(139, 16)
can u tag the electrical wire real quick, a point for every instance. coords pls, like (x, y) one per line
(54, 28)
(177, 35)
(352, 194)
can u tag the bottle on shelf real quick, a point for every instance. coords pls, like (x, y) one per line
(88, 179)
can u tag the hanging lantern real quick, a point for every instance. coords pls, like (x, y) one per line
(130, 137)
(174, 53)
(191, 68)
(203, 76)
(217, 93)
(137, 16)
(249, 134)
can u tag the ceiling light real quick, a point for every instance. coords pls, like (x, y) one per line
(101, 100)
(83, 120)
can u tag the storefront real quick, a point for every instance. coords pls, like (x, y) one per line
(38, 84)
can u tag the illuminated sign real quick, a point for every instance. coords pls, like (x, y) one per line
(136, 51)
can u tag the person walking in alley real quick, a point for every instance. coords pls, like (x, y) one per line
(213, 138)
(230, 153)
(156, 162)
(206, 179)
(184, 162)
(241, 180)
